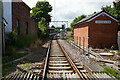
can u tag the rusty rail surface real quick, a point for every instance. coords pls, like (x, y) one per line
(71, 62)
(68, 58)
(46, 62)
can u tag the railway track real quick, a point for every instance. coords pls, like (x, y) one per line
(58, 65)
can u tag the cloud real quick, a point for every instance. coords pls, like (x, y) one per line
(69, 9)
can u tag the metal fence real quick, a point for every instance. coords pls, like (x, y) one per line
(81, 42)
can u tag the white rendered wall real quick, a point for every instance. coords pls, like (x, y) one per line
(7, 13)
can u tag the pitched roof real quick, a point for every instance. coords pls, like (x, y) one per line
(22, 2)
(89, 18)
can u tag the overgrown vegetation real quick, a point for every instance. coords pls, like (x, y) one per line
(6, 68)
(26, 66)
(16, 42)
(57, 31)
(11, 55)
(77, 20)
(111, 72)
(19, 41)
(68, 38)
(68, 29)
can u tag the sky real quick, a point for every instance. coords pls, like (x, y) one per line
(67, 10)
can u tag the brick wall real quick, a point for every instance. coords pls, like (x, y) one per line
(103, 35)
(81, 30)
(21, 12)
(100, 35)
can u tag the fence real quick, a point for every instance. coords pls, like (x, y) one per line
(80, 42)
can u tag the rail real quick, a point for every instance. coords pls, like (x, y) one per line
(72, 64)
(82, 43)
(46, 62)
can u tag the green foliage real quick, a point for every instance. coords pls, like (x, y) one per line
(77, 20)
(111, 72)
(11, 55)
(68, 38)
(112, 47)
(114, 11)
(118, 51)
(12, 37)
(6, 68)
(43, 28)
(26, 66)
(24, 41)
(92, 14)
(41, 9)
(68, 29)
(57, 31)
(19, 41)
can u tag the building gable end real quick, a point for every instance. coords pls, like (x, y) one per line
(101, 14)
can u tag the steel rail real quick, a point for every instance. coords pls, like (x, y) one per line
(46, 62)
(72, 64)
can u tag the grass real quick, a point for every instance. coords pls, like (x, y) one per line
(9, 68)
(68, 38)
(6, 69)
(26, 66)
(111, 72)
(21, 42)
(10, 56)
(24, 41)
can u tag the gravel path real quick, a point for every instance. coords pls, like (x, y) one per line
(77, 56)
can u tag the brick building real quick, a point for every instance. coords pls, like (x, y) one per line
(17, 14)
(101, 28)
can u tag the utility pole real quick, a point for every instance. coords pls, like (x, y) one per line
(0, 37)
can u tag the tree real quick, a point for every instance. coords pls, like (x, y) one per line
(57, 31)
(117, 8)
(43, 27)
(41, 9)
(114, 11)
(77, 20)
(68, 29)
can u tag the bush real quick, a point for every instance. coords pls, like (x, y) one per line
(118, 51)
(24, 41)
(112, 47)
(12, 37)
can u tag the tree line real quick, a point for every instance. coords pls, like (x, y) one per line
(114, 11)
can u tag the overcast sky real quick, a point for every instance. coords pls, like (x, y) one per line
(69, 9)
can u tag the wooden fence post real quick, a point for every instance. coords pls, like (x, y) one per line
(88, 46)
(80, 42)
(83, 44)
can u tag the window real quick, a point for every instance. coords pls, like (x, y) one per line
(26, 28)
(103, 21)
(18, 27)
